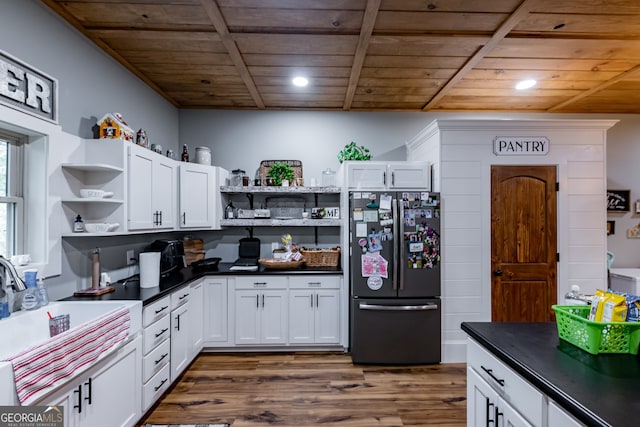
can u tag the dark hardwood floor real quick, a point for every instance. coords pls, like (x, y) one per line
(308, 389)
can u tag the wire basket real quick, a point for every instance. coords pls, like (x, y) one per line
(595, 337)
(321, 257)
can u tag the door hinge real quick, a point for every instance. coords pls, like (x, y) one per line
(557, 257)
(557, 186)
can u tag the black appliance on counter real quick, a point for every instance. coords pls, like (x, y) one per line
(248, 255)
(172, 257)
(395, 277)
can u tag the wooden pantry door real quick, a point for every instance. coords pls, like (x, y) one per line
(523, 243)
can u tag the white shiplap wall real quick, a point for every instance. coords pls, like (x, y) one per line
(461, 152)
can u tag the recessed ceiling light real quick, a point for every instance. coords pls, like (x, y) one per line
(526, 84)
(300, 81)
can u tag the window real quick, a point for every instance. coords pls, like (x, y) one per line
(11, 201)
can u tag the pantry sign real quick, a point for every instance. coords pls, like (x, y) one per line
(521, 146)
(26, 89)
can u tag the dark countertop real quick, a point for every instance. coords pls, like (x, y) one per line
(132, 291)
(599, 390)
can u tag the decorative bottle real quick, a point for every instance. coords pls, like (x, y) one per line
(185, 153)
(78, 225)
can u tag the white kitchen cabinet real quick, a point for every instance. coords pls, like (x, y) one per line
(156, 350)
(180, 345)
(498, 394)
(195, 318)
(108, 394)
(152, 183)
(314, 310)
(198, 193)
(216, 317)
(374, 175)
(558, 417)
(261, 310)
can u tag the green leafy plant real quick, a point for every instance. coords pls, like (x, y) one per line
(352, 151)
(280, 171)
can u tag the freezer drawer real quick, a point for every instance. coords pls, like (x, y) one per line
(395, 331)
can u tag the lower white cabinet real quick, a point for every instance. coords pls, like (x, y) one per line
(314, 310)
(107, 395)
(496, 395)
(195, 318)
(216, 314)
(558, 417)
(186, 326)
(261, 310)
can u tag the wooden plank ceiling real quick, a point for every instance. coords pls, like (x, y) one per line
(375, 55)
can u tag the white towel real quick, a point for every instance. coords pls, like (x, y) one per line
(41, 368)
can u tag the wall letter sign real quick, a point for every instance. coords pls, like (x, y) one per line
(521, 146)
(27, 89)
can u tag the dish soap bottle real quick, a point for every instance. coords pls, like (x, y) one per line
(43, 296)
(78, 225)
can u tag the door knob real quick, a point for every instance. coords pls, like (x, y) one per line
(497, 272)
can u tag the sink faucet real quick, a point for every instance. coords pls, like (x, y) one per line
(18, 284)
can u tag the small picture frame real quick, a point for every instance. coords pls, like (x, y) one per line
(611, 228)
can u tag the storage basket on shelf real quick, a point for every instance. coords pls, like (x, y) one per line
(595, 337)
(321, 257)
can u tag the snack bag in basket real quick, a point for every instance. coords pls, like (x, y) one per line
(595, 313)
(614, 308)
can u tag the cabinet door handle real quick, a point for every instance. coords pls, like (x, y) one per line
(160, 310)
(393, 178)
(488, 412)
(497, 415)
(384, 178)
(161, 357)
(257, 300)
(311, 300)
(88, 384)
(177, 322)
(160, 212)
(314, 283)
(317, 300)
(162, 332)
(259, 283)
(79, 405)
(183, 296)
(184, 218)
(490, 373)
(161, 384)
(262, 300)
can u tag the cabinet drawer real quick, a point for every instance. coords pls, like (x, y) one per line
(155, 360)
(153, 389)
(314, 282)
(525, 398)
(262, 282)
(180, 297)
(155, 334)
(155, 311)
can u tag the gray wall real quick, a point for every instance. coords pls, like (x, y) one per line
(91, 83)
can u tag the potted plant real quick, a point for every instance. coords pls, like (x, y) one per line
(280, 171)
(352, 151)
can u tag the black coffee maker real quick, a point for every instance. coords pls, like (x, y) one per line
(172, 257)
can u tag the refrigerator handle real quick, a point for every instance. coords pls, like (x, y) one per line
(398, 256)
(396, 245)
(378, 307)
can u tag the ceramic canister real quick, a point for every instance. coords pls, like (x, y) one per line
(203, 155)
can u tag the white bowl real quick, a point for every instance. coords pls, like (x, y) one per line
(102, 227)
(89, 192)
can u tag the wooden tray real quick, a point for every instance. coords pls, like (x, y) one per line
(279, 264)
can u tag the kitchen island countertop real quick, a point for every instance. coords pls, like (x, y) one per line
(131, 289)
(599, 390)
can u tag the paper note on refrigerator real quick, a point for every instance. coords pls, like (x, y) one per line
(385, 201)
(361, 229)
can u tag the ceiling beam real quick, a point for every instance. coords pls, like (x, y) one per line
(368, 22)
(60, 10)
(601, 86)
(216, 18)
(518, 15)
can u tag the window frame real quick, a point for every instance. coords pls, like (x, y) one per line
(15, 191)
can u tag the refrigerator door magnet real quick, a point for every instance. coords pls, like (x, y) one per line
(374, 283)
(374, 265)
(375, 242)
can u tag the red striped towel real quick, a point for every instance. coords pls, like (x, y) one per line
(41, 368)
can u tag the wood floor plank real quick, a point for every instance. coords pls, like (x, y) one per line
(308, 389)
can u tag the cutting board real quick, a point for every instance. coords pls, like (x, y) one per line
(193, 250)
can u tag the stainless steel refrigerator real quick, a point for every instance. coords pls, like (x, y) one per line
(395, 313)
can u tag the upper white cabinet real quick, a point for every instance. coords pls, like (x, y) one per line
(152, 190)
(198, 190)
(374, 175)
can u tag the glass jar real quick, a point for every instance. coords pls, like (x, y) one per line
(328, 178)
(236, 177)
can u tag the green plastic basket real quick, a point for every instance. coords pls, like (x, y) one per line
(595, 337)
